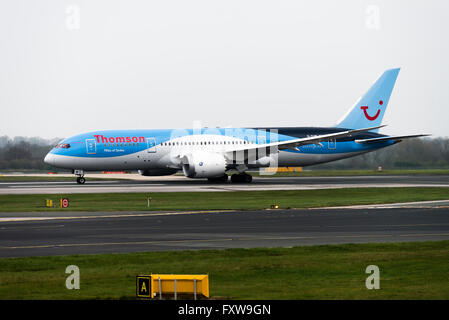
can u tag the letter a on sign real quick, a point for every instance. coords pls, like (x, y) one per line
(143, 286)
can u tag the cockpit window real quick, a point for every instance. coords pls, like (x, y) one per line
(63, 145)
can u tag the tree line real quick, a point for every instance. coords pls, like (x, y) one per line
(28, 153)
(429, 153)
(25, 153)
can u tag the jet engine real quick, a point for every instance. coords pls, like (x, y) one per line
(203, 165)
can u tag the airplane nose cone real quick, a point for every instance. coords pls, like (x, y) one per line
(49, 159)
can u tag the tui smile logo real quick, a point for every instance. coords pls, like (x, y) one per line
(371, 118)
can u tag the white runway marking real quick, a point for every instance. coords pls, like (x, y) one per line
(49, 182)
(89, 186)
(240, 239)
(415, 204)
(118, 215)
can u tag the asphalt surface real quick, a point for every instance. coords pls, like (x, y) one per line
(179, 184)
(64, 233)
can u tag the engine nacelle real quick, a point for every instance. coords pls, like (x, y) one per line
(204, 165)
(157, 172)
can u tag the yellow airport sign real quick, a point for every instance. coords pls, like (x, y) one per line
(283, 169)
(63, 203)
(143, 287)
(196, 284)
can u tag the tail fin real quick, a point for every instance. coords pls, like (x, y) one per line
(369, 110)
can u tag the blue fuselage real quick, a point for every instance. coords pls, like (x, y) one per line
(164, 149)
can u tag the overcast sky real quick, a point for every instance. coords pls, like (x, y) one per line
(68, 67)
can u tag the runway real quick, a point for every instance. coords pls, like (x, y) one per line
(64, 233)
(182, 184)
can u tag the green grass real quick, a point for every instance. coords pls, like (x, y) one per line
(417, 270)
(244, 200)
(330, 173)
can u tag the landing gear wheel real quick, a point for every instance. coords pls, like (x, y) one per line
(241, 178)
(80, 180)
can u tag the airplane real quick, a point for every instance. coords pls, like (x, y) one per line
(212, 152)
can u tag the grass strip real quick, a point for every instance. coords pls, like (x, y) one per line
(238, 200)
(415, 270)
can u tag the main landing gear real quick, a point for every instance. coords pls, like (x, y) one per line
(223, 178)
(80, 179)
(241, 178)
(235, 178)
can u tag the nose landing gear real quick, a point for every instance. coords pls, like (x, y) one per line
(80, 179)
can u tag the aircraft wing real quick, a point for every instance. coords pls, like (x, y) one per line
(394, 138)
(295, 143)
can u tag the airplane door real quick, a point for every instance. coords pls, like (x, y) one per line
(91, 146)
(151, 145)
(332, 144)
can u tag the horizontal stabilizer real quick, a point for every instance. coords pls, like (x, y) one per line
(394, 138)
